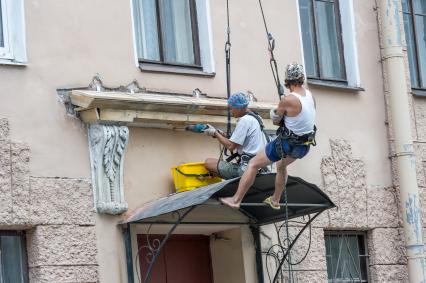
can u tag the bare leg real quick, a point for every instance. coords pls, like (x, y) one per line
(211, 165)
(281, 179)
(247, 180)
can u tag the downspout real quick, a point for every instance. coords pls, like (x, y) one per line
(396, 86)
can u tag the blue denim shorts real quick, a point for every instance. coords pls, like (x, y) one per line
(296, 152)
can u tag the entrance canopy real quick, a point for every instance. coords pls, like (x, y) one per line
(303, 199)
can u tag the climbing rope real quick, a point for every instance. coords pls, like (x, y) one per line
(228, 66)
(272, 62)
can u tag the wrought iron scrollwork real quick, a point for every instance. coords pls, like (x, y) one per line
(279, 257)
(154, 246)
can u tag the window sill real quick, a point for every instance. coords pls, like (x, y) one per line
(146, 67)
(335, 85)
(11, 62)
(419, 92)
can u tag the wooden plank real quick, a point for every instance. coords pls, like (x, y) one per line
(152, 102)
(135, 117)
(89, 115)
(117, 115)
(80, 99)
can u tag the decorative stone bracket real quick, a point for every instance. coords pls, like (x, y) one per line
(107, 147)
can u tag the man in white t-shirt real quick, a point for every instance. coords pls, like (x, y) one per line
(248, 139)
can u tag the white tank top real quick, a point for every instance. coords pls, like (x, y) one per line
(302, 123)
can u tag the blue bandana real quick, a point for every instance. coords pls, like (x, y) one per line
(238, 100)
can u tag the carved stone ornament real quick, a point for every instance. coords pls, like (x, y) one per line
(107, 147)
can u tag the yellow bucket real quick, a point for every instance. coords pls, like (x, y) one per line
(190, 176)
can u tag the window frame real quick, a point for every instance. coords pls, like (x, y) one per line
(364, 238)
(411, 14)
(24, 256)
(195, 40)
(5, 51)
(14, 52)
(314, 29)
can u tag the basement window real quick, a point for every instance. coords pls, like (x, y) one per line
(347, 256)
(13, 259)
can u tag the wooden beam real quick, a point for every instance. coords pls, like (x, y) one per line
(135, 117)
(89, 115)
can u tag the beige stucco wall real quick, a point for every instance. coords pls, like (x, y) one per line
(69, 42)
(69, 52)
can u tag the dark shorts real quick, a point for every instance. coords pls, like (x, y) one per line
(296, 151)
(228, 170)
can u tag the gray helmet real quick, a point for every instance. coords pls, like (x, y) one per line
(294, 71)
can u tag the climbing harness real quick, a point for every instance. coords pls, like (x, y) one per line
(283, 133)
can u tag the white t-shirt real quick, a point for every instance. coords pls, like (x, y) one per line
(248, 135)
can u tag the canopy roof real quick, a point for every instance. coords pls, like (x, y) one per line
(303, 199)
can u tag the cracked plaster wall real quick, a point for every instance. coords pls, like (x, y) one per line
(56, 213)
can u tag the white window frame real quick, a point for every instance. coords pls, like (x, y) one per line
(14, 50)
(5, 50)
(205, 36)
(350, 49)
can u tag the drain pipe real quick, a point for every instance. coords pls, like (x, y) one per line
(396, 86)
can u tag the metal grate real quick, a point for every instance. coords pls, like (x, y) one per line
(347, 257)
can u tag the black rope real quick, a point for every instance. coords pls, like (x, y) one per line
(272, 62)
(228, 67)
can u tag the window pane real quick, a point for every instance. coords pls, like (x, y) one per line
(420, 22)
(411, 50)
(406, 6)
(343, 261)
(177, 31)
(1, 27)
(420, 6)
(146, 29)
(308, 36)
(331, 66)
(11, 259)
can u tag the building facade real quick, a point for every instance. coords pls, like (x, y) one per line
(95, 97)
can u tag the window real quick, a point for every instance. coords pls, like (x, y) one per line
(13, 257)
(4, 44)
(173, 33)
(12, 33)
(415, 34)
(346, 255)
(329, 45)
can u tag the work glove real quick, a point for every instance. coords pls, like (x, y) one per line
(274, 116)
(210, 130)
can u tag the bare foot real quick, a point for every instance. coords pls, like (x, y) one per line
(230, 202)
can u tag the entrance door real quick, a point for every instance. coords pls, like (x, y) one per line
(184, 259)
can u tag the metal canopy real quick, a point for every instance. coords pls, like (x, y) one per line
(303, 199)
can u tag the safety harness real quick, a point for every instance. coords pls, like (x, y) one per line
(284, 133)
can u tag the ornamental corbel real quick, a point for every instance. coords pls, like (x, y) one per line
(107, 148)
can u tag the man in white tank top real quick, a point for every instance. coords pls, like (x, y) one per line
(297, 110)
